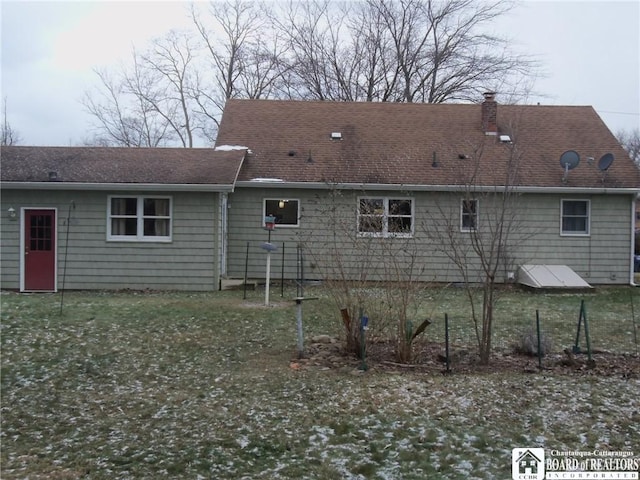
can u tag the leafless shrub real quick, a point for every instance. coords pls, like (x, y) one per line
(527, 343)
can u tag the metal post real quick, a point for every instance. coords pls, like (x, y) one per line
(298, 292)
(246, 269)
(282, 273)
(364, 322)
(269, 222)
(299, 324)
(586, 332)
(66, 250)
(299, 327)
(266, 287)
(446, 341)
(539, 341)
(576, 347)
(301, 272)
(633, 319)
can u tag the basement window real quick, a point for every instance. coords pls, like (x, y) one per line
(139, 219)
(385, 217)
(575, 217)
(286, 211)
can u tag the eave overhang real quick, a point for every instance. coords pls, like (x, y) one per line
(120, 187)
(276, 183)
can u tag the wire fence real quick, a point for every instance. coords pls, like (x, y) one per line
(572, 327)
(604, 322)
(609, 315)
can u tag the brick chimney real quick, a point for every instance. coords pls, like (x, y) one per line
(490, 114)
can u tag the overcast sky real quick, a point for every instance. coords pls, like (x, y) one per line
(590, 51)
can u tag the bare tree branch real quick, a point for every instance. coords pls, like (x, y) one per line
(8, 136)
(630, 141)
(120, 121)
(375, 50)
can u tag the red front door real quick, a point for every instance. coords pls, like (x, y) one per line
(40, 250)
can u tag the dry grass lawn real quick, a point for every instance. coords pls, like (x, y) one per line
(181, 385)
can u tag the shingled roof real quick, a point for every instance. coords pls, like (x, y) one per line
(408, 144)
(62, 167)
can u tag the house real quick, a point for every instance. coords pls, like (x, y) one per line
(114, 218)
(357, 180)
(389, 171)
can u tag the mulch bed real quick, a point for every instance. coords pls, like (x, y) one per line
(324, 352)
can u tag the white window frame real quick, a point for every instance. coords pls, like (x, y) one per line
(281, 199)
(476, 215)
(385, 217)
(140, 236)
(564, 233)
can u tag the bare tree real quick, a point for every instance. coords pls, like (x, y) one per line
(123, 119)
(481, 236)
(337, 52)
(8, 136)
(368, 273)
(312, 31)
(346, 279)
(243, 55)
(403, 274)
(167, 80)
(630, 141)
(402, 51)
(373, 59)
(377, 50)
(152, 103)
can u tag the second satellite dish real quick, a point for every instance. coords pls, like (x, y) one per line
(605, 162)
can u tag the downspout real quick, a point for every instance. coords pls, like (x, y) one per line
(634, 201)
(222, 236)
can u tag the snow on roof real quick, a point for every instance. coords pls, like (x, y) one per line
(227, 148)
(261, 179)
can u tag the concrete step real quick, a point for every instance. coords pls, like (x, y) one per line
(236, 284)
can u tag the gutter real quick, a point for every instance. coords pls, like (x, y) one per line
(119, 187)
(277, 183)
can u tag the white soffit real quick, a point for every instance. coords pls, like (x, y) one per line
(550, 276)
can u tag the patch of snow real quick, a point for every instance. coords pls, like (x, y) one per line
(464, 465)
(266, 180)
(229, 148)
(160, 413)
(243, 441)
(321, 435)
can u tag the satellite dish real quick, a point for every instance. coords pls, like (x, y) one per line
(605, 162)
(569, 160)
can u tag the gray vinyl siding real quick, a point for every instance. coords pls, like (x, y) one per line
(9, 243)
(603, 257)
(328, 224)
(89, 261)
(246, 234)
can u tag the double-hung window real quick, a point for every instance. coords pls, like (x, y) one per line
(139, 219)
(468, 215)
(385, 217)
(575, 216)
